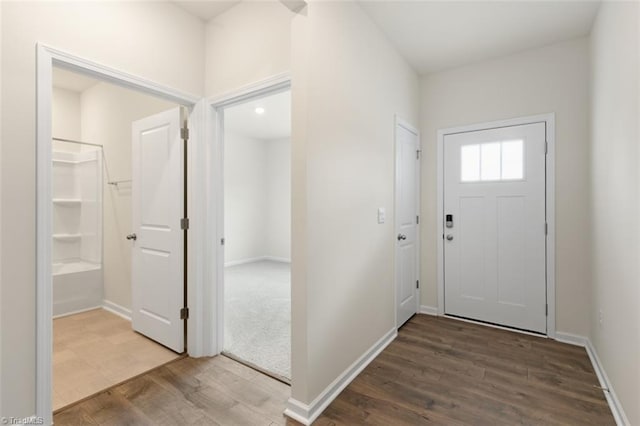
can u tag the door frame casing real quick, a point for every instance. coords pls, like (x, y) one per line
(215, 109)
(200, 330)
(549, 120)
(399, 122)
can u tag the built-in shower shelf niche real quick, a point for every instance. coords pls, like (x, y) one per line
(77, 230)
(71, 266)
(75, 202)
(67, 237)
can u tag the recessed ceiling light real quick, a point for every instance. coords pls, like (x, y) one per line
(259, 110)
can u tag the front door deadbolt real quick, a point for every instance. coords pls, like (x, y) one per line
(449, 221)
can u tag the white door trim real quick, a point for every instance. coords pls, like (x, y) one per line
(549, 119)
(399, 122)
(216, 105)
(200, 330)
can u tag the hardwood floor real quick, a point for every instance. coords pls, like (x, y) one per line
(437, 371)
(95, 350)
(443, 371)
(188, 391)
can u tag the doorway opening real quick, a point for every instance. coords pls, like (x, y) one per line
(110, 182)
(256, 134)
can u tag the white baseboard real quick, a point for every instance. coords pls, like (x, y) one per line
(612, 399)
(572, 339)
(243, 261)
(79, 311)
(614, 403)
(114, 308)
(428, 310)
(277, 259)
(256, 259)
(307, 414)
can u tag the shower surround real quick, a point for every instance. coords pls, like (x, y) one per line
(77, 231)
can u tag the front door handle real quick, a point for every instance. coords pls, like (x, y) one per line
(401, 237)
(132, 237)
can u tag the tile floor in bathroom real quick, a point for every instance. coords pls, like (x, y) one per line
(95, 350)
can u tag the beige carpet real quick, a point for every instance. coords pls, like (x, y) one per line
(257, 316)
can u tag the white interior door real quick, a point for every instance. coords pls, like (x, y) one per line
(495, 232)
(158, 250)
(406, 213)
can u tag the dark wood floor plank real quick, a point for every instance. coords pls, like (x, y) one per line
(445, 371)
(438, 371)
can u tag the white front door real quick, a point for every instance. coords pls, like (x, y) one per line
(158, 248)
(407, 206)
(495, 232)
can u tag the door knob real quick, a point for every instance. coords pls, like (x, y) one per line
(401, 237)
(449, 237)
(132, 237)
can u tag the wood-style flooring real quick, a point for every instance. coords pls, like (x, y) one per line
(95, 350)
(437, 371)
(189, 391)
(449, 372)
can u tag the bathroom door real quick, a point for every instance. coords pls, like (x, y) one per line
(158, 240)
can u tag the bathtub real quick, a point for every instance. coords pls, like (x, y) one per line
(77, 287)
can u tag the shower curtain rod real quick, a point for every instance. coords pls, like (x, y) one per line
(78, 142)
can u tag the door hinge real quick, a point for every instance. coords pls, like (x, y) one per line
(417, 220)
(184, 313)
(184, 223)
(418, 152)
(184, 133)
(546, 147)
(546, 228)
(221, 241)
(546, 310)
(417, 283)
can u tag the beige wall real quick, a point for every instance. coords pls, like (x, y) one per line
(279, 195)
(248, 43)
(615, 182)
(155, 40)
(348, 82)
(1, 127)
(107, 113)
(257, 198)
(245, 197)
(65, 120)
(550, 79)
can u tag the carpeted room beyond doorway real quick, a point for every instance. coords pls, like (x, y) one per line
(257, 316)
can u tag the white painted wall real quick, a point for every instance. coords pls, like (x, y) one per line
(615, 198)
(247, 43)
(245, 197)
(348, 82)
(155, 40)
(550, 79)
(257, 184)
(1, 126)
(65, 121)
(278, 209)
(107, 113)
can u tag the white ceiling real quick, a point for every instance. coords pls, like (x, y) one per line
(275, 123)
(437, 35)
(206, 9)
(69, 80)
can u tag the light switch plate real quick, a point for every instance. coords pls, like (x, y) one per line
(382, 215)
